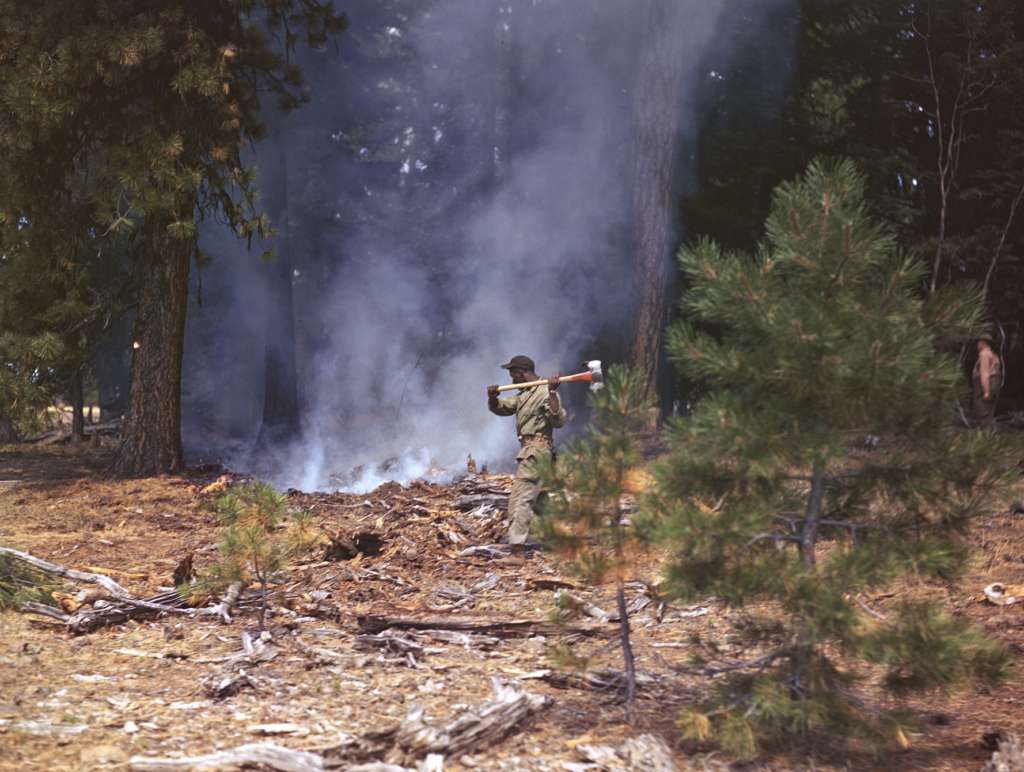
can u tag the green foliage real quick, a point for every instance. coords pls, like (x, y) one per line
(122, 124)
(258, 538)
(582, 519)
(21, 583)
(893, 85)
(825, 340)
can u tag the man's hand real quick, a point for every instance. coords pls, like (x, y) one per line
(986, 396)
(553, 382)
(492, 392)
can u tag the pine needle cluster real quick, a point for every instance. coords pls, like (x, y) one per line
(260, 534)
(583, 517)
(22, 583)
(770, 494)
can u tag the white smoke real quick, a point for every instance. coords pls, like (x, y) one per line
(394, 387)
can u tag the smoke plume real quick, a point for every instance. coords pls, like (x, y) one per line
(456, 192)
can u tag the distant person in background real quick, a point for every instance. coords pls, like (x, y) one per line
(988, 377)
(538, 413)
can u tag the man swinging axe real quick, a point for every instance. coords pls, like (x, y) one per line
(538, 413)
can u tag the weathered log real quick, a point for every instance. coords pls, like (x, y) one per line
(463, 733)
(646, 753)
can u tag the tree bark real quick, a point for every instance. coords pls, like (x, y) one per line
(281, 421)
(77, 398)
(652, 237)
(151, 438)
(8, 433)
(809, 533)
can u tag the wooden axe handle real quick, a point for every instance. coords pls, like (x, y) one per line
(562, 378)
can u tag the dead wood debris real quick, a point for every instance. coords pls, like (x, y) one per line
(496, 624)
(416, 738)
(90, 610)
(1008, 754)
(462, 733)
(239, 671)
(646, 753)
(598, 679)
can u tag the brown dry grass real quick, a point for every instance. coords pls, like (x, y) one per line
(55, 503)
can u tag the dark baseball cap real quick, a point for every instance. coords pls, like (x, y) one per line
(519, 362)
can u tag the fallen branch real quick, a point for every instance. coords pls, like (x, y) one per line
(79, 576)
(226, 604)
(44, 610)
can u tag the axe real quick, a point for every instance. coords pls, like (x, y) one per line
(593, 375)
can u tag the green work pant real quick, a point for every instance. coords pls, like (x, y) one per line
(522, 502)
(985, 409)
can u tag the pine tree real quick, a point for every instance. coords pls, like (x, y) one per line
(583, 516)
(252, 546)
(138, 115)
(770, 493)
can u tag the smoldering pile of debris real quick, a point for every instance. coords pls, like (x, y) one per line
(393, 520)
(378, 541)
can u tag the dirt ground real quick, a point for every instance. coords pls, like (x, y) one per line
(136, 689)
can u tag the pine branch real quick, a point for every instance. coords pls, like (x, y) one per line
(777, 538)
(759, 663)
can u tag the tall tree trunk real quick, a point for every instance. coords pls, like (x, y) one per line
(151, 438)
(812, 518)
(77, 397)
(652, 235)
(8, 434)
(281, 391)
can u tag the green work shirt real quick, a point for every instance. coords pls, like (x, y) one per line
(532, 409)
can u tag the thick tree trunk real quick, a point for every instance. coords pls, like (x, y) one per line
(652, 235)
(281, 392)
(151, 438)
(77, 398)
(8, 434)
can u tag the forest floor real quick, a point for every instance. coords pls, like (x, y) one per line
(137, 689)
